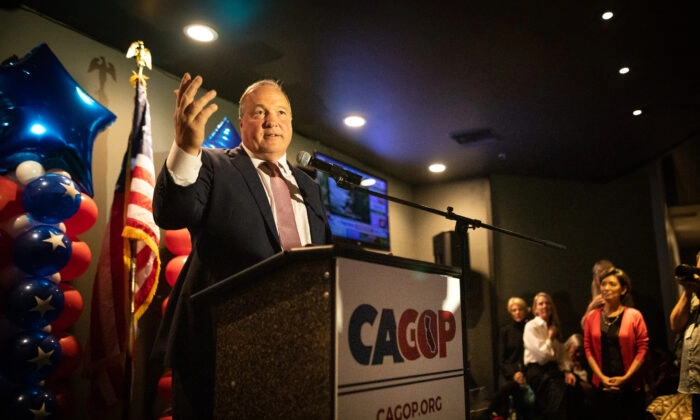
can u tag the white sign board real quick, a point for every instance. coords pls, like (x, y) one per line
(398, 344)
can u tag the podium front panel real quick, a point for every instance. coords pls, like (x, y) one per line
(274, 345)
(398, 343)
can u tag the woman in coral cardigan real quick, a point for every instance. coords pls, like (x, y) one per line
(616, 342)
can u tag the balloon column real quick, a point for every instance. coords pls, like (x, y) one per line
(46, 121)
(39, 230)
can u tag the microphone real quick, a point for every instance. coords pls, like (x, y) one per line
(339, 174)
(685, 272)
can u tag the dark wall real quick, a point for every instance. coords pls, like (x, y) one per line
(593, 221)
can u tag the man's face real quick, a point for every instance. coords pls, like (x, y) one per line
(266, 124)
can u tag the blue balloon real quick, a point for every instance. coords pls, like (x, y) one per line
(34, 403)
(34, 355)
(42, 250)
(51, 198)
(45, 116)
(224, 136)
(34, 303)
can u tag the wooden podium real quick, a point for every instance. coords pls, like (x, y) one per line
(339, 333)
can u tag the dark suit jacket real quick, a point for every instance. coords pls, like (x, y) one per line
(232, 227)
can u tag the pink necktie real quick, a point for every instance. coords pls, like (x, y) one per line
(286, 224)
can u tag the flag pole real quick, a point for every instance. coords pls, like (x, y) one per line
(142, 55)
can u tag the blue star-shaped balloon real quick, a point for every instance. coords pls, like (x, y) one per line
(224, 136)
(45, 116)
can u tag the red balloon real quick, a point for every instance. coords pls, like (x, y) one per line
(79, 260)
(11, 210)
(165, 304)
(72, 308)
(178, 242)
(8, 191)
(84, 218)
(165, 387)
(172, 270)
(71, 356)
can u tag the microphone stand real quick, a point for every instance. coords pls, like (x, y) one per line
(462, 226)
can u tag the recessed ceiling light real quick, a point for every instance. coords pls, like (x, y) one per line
(354, 121)
(607, 15)
(201, 33)
(637, 112)
(437, 168)
(624, 70)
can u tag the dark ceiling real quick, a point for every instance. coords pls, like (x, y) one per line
(540, 78)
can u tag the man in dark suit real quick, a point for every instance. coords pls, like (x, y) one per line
(225, 199)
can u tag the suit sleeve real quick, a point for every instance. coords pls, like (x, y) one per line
(177, 207)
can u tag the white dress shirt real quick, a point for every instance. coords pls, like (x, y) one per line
(539, 348)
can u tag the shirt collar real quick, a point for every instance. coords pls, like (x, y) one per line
(256, 162)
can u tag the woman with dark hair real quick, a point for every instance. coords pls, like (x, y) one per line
(616, 342)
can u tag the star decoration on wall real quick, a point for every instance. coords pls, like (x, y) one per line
(47, 117)
(43, 305)
(42, 359)
(55, 240)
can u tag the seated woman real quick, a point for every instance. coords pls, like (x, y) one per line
(616, 342)
(510, 346)
(577, 355)
(547, 364)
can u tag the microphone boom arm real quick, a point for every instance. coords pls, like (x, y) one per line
(463, 224)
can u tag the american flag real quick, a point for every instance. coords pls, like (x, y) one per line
(131, 227)
(140, 226)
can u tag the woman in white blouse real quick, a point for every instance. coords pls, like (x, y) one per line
(547, 362)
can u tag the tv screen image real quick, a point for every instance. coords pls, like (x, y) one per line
(355, 216)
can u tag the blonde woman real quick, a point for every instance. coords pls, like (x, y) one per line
(510, 351)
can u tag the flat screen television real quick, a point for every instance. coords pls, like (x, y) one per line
(355, 217)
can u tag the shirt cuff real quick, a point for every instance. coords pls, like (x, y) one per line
(183, 167)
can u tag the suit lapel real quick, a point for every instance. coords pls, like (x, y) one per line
(242, 162)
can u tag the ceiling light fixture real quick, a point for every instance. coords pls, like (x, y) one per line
(637, 112)
(354, 121)
(201, 33)
(607, 15)
(437, 168)
(624, 70)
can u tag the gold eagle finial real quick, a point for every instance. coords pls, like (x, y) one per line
(143, 59)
